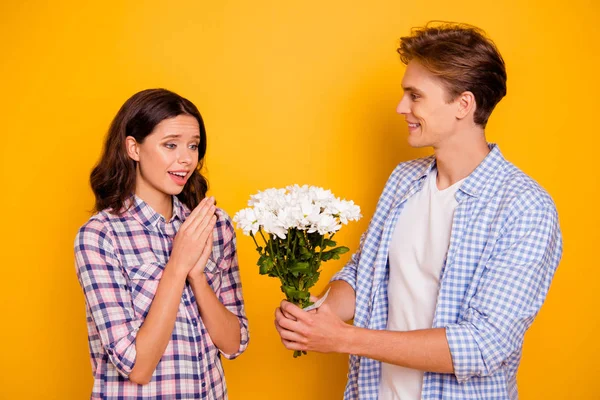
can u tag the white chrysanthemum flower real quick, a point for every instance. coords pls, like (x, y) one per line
(272, 225)
(327, 224)
(352, 213)
(308, 208)
(344, 210)
(247, 221)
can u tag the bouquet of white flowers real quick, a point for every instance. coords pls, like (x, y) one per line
(296, 226)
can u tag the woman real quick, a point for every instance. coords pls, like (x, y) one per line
(161, 283)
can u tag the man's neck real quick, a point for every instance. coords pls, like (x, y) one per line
(459, 156)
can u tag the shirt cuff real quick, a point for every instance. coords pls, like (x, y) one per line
(122, 354)
(466, 356)
(244, 340)
(347, 277)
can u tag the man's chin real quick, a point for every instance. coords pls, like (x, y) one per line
(415, 143)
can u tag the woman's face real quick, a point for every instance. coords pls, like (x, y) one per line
(167, 157)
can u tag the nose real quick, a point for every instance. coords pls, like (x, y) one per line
(186, 157)
(404, 106)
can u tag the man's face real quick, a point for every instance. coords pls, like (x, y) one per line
(431, 118)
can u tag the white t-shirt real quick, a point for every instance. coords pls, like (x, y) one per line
(417, 252)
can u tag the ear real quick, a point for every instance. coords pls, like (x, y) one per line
(133, 149)
(466, 104)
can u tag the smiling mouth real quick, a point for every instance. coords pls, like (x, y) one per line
(414, 125)
(179, 174)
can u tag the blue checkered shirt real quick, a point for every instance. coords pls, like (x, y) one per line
(505, 246)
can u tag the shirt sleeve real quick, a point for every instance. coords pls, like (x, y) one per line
(349, 272)
(513, 287)
(230, 294)
(107, 296)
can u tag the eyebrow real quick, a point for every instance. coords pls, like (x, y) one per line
(177, 136)
(411, 89)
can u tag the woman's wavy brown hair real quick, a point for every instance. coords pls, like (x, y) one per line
(463, 58)
(113, 178)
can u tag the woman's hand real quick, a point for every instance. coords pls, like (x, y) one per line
(196, 274)
(193, 243)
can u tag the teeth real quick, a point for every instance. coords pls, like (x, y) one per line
(414, 125)
(181, 174)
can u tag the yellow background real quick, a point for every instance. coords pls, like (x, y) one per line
(291, 92)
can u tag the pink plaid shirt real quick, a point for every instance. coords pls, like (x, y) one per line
(120, 260)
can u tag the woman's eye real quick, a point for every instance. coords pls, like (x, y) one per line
(170, 145)
(194, 146)
(414, 96)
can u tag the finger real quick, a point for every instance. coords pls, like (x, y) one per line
(314, 299)
(280, 314)
(290, 325)
(279, 311)
(194, 213)
(292, 336)
(295, 311)
(201, 212)
(289, 316)
(206, 251)
(205, 221)
(279, 328)
(208, 231)
(293, 345)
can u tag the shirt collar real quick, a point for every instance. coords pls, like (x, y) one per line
(147, 216)
(478, 179)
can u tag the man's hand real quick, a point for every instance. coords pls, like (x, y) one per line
(318, 330)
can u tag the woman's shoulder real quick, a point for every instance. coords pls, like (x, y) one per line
(223, 225)
(222, 215)
(97, 229)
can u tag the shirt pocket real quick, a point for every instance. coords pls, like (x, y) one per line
(144, 280)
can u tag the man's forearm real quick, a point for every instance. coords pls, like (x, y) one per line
(425, 350)
(341, 299)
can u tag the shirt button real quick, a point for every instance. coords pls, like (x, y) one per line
(185, 296)
(194, 321)
(203, 384)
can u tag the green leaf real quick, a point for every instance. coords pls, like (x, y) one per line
(341, 250)
(301, 267)
(266, 266)
(312, 280)
(329, 243)
(294, 294)
(261, 260)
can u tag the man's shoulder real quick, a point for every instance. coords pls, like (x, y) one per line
(413, 168)
(522, 190)
(417, 164)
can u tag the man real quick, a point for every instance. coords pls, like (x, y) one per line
(459, 255)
